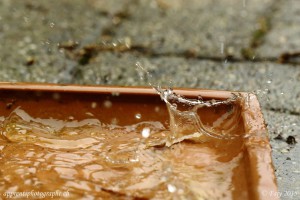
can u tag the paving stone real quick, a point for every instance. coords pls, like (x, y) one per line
(30, 32)
(207, 28)
(114, 7)
(285, 157)
(284, 35)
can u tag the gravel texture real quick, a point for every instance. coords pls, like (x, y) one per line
(30, 33)
(207, 28)
(284, 35)
(285, 156)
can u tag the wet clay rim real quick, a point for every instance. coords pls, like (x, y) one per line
(111, 89)
(261, 173)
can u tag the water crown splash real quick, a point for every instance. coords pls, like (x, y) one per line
(185, 122)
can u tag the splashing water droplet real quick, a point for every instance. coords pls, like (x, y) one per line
(94, 105)
(114, 121)
(156, 109)
(26, 19)
(244, 3)
(138, 116)
(171, 188)
(146, 132)
(222, 47)
(116, 94)
(107, 104)
(134, 160)
(187, 124)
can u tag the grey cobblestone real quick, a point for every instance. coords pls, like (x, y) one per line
(284, 36)
(31, 31)
(285, 156)
(208, 28)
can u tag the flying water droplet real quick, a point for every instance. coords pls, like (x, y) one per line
(93, 105)
(244, 3)
(138, 116)
(222, 47)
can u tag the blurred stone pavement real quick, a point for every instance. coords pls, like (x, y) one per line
(240, 45)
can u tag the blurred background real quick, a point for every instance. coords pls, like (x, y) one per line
(239, 45)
